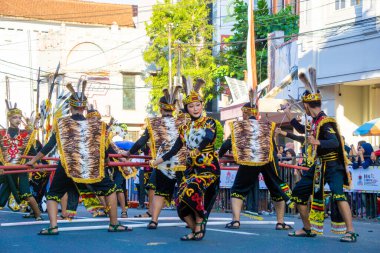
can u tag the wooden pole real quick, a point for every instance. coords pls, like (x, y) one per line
(251, 48)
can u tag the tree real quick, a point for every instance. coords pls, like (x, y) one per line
(232, 62)
(191, 35)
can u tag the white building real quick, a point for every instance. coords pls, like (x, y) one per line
(104, 42)
(342, 39)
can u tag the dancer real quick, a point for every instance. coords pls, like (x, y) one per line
(325, 153)
(166, 111)
(14, 143)
(75, 135)
(199, 188)
(254, 149)
(163, 134)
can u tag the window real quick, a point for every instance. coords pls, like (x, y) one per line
(355, 2)
(340, 4)
(132, 136)
(280, 4)
(129, 96)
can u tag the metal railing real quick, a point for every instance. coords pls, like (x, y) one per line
(363, 204)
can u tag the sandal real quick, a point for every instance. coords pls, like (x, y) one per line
(198, 236)
(307, 233)
(145, 215)
(349, 237)
(124, 215)
(152, 225)
(187, 237)
(39, 218)
(49, 231)
(231, 225)
(99, 213)
(283, 226)
(62, 217)
(29, 215)
(115, 228)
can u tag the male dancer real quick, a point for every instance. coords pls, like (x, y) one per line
(166, 110)
(325, 153)
(14, 143)
(83, 147)
(260, 156)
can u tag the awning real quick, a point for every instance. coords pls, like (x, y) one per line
(268, 105)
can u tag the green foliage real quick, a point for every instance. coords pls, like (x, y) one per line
(190, 33)
(233, 61)
(123, 126)
(219, 134)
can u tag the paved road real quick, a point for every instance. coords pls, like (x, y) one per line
(250, 238)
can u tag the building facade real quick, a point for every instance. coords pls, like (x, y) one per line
(104, 42)
(342, 39)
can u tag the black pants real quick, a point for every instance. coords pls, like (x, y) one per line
(118, 179)
(141, 188)
(165, 186)
(62, 183)
(150, 180)
(247, 175)
(334, 176)
(18, 184)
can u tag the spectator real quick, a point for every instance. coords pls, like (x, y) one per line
(280, 152)
(289, 145)
(291, 159)
(375, 159)
(363, 158)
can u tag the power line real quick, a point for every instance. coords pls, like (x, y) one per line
(226, 43)
(31, 79)
(92, 88)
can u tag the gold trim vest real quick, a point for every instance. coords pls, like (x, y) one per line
(252, 142)
(163, 132)
(82, 146)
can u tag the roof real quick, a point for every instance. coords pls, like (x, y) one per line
(71, 11)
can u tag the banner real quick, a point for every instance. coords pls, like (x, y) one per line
(362, 179)
(227, 178)
(366, 179)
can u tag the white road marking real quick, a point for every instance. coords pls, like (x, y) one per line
(232, 232)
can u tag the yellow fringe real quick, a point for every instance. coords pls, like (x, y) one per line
(29, 145)
(253, 217)
(152, 140)
(133, 174)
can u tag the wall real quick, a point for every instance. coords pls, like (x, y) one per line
(82, 50)
(344, 46)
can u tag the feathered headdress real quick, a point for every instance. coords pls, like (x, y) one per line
(192, 93)
(92, 112)
(168, 101)
(311, 93)
(30, 122)
(252, 107)
(12, 110)
(78, 99)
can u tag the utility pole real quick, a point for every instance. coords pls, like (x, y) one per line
(178, 79)
(170, 57)
(7, 96)
(7, 91)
